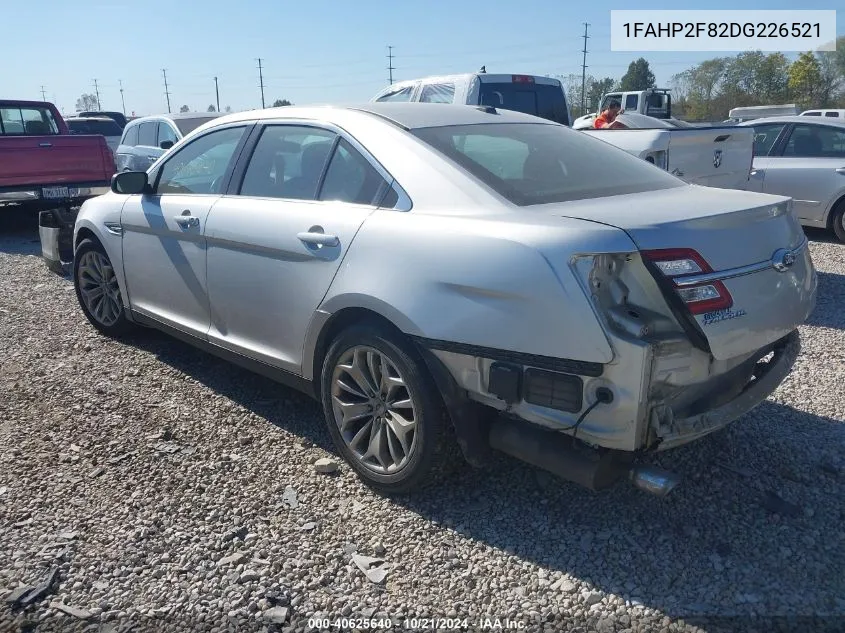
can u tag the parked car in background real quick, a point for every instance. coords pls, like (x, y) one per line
(749, 113)
(803, 157)
(634, 312)
(118, 117)
(145, 139)
(532, 94)
(43, 165)
(103, 126)
(828, 114)
(653, 102)
(714, 156)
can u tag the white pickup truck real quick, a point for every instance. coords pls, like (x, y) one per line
(702, 155)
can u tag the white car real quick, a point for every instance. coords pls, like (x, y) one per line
(413, 265)
(803, 157)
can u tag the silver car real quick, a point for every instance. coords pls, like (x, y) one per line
(414, 266)
(804, 158)
(146, 139)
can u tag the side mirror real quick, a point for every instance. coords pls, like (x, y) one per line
(166, 144)
(129, 182)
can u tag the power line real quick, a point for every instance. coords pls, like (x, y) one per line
(97, 92)
(166, 93)
(584, 72)
(43, 94)
(217, 93)
(261, 81)
(122, 102)
(390, 67)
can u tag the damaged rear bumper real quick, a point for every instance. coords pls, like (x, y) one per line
(768, 369)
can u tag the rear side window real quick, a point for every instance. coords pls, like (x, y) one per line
(765, 137)
(815, 141)
(542, 100)
(833, 114)
(130, 137)
(812, 114)
(147, 134)
(351, 177)
(631, 102)
(401, 94)
(438, 93)
(28, 121)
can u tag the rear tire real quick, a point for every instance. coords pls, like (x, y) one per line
(382, 409)
(97, 290)
(837, 221)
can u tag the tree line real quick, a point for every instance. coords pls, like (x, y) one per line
(707, 91)
(89, 102)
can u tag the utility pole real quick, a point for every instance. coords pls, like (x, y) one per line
(584, 72)
(97, 92)
(43, 94)
(122, 102)
(390, 67)
(166, 93)
(261, 82)
(217, 93)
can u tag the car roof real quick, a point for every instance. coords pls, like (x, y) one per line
(795, 119)
(176, 116)
(90, 118)
(406, 115)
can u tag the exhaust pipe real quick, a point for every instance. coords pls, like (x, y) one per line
(654, 480)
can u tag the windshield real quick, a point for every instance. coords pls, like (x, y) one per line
(531, 163)
(189, 125)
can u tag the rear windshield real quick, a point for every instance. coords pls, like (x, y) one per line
(91, 126)
(542, 100)
(535, 163)
(27, 121)
(189, 125)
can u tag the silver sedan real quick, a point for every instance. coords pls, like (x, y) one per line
(803, 158)
(433, 273)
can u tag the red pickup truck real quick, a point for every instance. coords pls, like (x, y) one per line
(44, 166)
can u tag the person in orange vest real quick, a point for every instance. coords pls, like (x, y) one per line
(607, 116)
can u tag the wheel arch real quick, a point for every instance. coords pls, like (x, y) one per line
(840, 201)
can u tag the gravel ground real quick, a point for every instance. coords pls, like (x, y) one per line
(172, 491)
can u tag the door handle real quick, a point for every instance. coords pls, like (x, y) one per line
(186, 220)
(318, 239)
(841, 170)
(152, 158)
(753, 172)
(45, 145)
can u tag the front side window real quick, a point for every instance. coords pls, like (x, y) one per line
(401, 94)
(438, 93)
(815, 141)
(166, 133)
(199, 166)
(147, 134)
(812, 114)
(28, 121)
(288, 162)
(765, 137)
(532, 163)
(351, 178)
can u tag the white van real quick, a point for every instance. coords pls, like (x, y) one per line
(833, 114)
(531, 94)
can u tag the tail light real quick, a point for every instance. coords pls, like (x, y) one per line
(680, 264)
(522, 79)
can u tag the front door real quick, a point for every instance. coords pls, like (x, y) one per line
(164, 249)
(275, 244)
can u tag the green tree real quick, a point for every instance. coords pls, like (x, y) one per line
(638, 77)
(228, 108)
(87, 102)
(772, 79)
(184, 108)
(211, 108)
(596, 89)
(805, 77)
(281, 102)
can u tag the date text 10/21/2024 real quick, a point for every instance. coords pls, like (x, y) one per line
(418, 624)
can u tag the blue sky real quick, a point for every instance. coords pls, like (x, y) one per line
(315, 51)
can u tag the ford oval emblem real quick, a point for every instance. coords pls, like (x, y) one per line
(782, 260)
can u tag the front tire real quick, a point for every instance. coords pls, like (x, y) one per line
(837, 221)
(97, 289)
(383, 411)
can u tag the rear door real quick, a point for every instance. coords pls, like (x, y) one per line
(809, 166)
(765, 140)
(714, 157)
(276, 241)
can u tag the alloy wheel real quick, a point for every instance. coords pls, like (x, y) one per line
(99, 289)
(374, 409)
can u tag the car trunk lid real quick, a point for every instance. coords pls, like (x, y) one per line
(741, 238)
